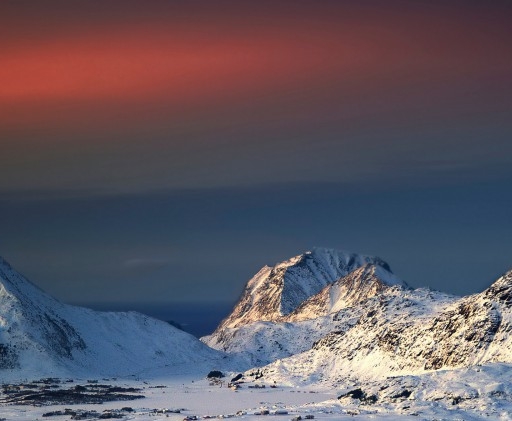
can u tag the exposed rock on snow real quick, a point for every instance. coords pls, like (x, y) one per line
(400, 332)
(478, 392)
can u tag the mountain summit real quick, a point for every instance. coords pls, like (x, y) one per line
(277, 291)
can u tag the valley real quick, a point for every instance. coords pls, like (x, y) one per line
(323, 335)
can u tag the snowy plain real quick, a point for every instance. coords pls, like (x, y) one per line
(477, 393)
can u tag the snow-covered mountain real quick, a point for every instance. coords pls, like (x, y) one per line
(327, 281)
(361, 321)
(277, 291)
(40, 336)
(400, 332)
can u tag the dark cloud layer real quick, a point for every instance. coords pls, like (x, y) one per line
(204, 244)
(164, 151)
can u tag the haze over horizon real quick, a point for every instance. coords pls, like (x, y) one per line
(162, 152)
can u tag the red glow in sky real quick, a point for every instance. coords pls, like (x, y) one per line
(199, 59)
(206, 90)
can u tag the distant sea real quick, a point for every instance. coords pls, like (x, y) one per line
(197, 318)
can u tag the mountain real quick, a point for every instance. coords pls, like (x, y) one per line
(325, 316)
(408, 332)
(275, 292)
(325, 281)
(40, 336)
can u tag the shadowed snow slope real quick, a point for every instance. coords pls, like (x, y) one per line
(39, 336)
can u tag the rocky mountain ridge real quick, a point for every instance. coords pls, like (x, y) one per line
(408, 333)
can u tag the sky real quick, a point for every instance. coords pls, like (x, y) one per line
(160, 152)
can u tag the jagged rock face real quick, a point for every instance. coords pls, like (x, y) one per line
(265, 341)
(457, 336)
(39, 336)
(278, 291)
(460, 336)
(386, 332)
(352, 289)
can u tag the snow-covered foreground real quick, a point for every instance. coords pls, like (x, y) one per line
(477, 393)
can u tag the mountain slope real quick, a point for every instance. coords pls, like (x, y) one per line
(408, 332)
(352, 289)
(40, 336)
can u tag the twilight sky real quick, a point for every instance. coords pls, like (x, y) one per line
(163, 151)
